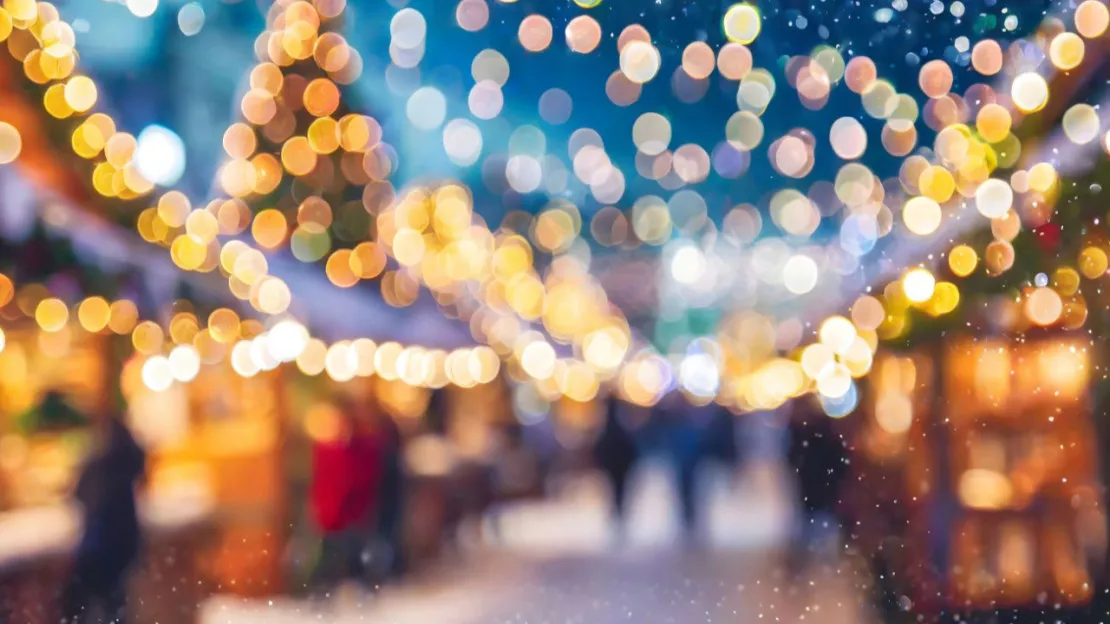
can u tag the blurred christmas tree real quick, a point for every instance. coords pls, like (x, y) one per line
(53, 413)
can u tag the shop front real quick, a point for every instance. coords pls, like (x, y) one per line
(991, 452)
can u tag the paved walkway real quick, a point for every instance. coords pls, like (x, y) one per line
(555, 565)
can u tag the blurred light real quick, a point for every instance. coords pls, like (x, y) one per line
(835, 382)
(364, 350)
(841, 406)
(408, 29)
(688, 265)
(340, 362)
(800, 274)
(287, 339)
(529, 405)
(742, 23)
(260, 353)
(11, 143)
(981, 488)
(994, 198)
(311, 360)
(160, 155)
(1044, 306)
(51, 314)
(538, 359)
(918, 285)
(1092, 18)
(142, 8)
(241, 361)
(639, 61)
(462, 140)
(385, 360)
(1081, 124)
(1029, 92)
(962, 260)
(894, 412)
(157, 373)
(922, 215)
(184, 363)
(816, 359)
(838, 334)
(426, 108)
(699, 375)
(190, 19)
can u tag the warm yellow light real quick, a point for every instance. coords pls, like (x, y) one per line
(157, 374)
(80, 93)
(922, 215)
(837, 333)
(51, 314)
(1091, 19)
(816, 358)
(340, 362)
(1093, 262)
(918, 285)
(94, 313)
(11, 143)
(538, 359)
(311, 359)
(124, 316)
(946, 296)
(1044, 306)
(224, 325)
(147, 338)
(1066, 51)
(962, 260)
(742, 23)
(835, 381)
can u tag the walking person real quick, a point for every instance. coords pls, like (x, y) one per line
(391, 503)
(616, 453)
(818, 457)
(346, 478)
(111, 539)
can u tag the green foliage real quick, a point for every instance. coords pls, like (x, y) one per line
(53, 413)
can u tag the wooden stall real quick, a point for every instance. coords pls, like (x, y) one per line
(53, 386)
(990, 450)
(43, 445)
(217, 440)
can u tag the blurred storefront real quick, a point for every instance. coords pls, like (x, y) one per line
(982, 457)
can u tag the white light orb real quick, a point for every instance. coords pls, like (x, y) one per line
(160, 155)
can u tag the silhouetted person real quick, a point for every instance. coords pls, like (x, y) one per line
(819, 458)
(719, 438)
(681, 429)
(346, 477)
(392, 495)
(111, 539)
(616, 453)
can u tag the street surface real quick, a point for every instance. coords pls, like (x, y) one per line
(556, 562)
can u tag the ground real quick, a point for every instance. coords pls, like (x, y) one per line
(557, 564)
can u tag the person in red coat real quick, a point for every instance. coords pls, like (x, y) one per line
(346, 479)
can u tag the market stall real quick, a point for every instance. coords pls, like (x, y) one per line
(218, 439)
(52, 390)
(992, 449)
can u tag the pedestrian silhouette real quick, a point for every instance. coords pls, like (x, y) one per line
(616, 452)
(111, 539)
(818, 457)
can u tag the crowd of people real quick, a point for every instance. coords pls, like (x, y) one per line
(690, 436)
(359, 484)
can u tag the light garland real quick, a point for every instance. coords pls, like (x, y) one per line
(176, 351)
(967, 160)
